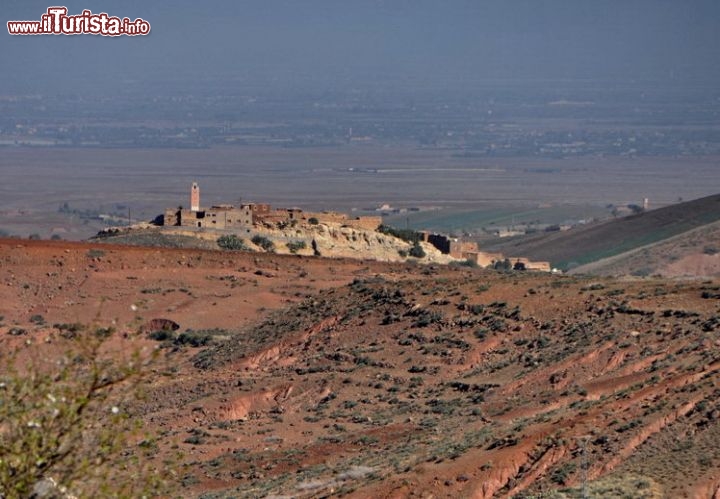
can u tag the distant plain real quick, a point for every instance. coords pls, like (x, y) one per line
(143, 182)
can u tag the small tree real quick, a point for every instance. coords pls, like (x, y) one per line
(313, 221)
(66, 424)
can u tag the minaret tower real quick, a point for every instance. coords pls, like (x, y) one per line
(195, 197)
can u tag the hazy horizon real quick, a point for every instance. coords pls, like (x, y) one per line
(323, 44)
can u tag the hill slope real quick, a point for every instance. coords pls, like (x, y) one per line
(327, 377)
(442, 385)
(583, 245)
(692, 254)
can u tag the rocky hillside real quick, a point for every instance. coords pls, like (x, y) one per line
(297, 376)
(473, 385)
(324, 239)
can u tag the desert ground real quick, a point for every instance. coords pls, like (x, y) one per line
(318, 377)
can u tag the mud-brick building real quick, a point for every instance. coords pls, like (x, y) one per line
(524, 263)
(449, 245)
(468, 250)
(245, 216)
(364, 223)
(215, 217)
(264, 214)
(223, 216)
(482, 258)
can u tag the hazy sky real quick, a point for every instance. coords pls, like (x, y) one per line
(362, 42)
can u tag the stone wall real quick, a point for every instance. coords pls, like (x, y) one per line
(482, 258)
(365, 223)
(171, 218)
(246, 215)
(228, 217)
(217, 217)
(442, 243)
(530, 265)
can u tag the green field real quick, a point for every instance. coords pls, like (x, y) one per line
(591, 243)
(475, 220)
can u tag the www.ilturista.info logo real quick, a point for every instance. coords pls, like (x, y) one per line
(57, 22)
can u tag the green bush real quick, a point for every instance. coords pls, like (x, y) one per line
(417, 251)
(161, 335)
(465, 263)
(295, 246)
(408, 235)
(503, 265)
(263, 242)
(194, 338)
(37, 319)
(232, 242)
(561, 474)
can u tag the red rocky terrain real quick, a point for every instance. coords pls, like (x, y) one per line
(309, 377)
